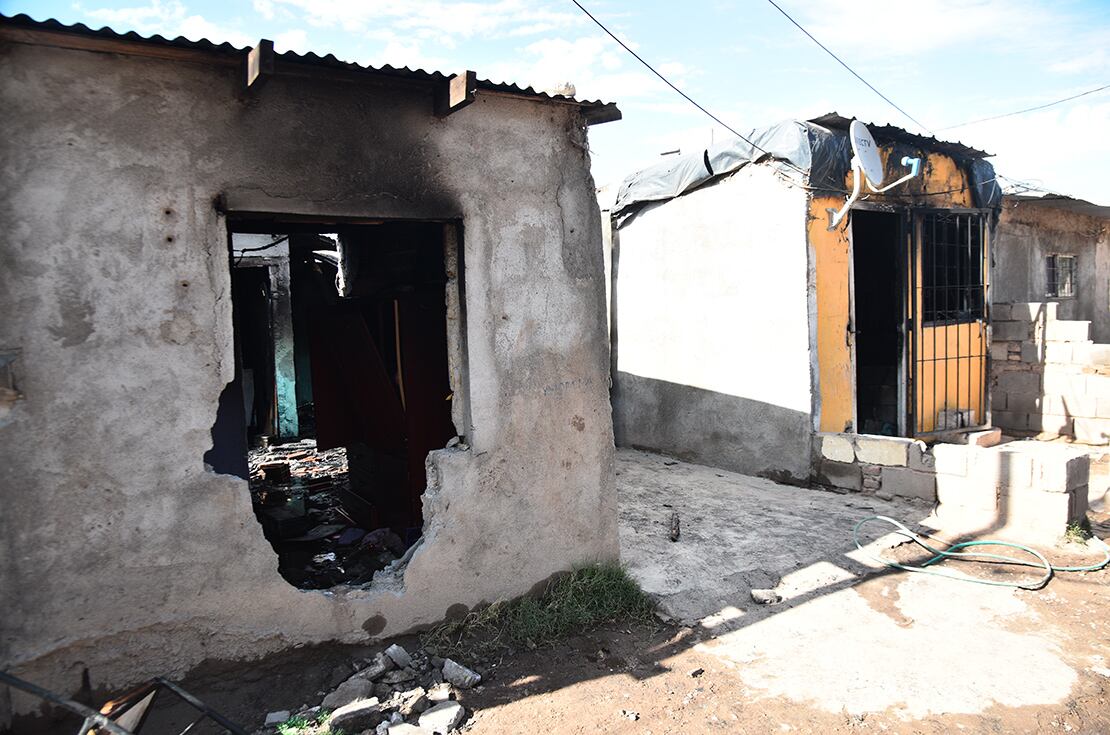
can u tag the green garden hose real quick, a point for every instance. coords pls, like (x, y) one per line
(953, 552)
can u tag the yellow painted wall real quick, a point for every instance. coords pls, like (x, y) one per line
(832, 263)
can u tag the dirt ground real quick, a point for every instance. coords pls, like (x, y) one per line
(851, 646)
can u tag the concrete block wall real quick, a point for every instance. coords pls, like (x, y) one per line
(1047, 376)
(1027, 489)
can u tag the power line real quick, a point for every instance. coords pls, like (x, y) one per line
(685, 96)
(1028, 109)
(850, 69)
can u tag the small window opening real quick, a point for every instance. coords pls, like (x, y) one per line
(952, 268)
(342, 365)
(1060, 276)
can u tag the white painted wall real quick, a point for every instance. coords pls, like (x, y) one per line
(712, 295)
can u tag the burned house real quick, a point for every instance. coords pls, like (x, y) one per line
(294, 350)
(745, 322)
(752, 330)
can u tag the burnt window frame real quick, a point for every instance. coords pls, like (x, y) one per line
(1052, 275)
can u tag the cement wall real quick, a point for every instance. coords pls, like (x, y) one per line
(1027, 233)
(711, 327)
(123, 554)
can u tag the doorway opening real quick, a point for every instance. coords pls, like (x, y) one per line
(878, 253)
(342, 362)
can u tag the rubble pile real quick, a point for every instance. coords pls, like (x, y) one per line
(394, 693)
(303, 499)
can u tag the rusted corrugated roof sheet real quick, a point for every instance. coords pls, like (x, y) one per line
(836, 121)
(600, 111)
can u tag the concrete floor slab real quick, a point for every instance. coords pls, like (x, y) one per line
(849, 635)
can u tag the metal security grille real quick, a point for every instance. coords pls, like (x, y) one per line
(949, 349)
(1060, 278)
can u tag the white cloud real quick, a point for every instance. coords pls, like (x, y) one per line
(292, 40)
(265, 8)
(169, 19)
(440, 20)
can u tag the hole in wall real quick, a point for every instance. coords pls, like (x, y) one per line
(342, 378)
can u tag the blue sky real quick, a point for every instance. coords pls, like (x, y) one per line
(944, 61)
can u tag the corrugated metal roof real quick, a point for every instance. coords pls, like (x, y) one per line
(312, 59)
(836, 121)
(1069, 204)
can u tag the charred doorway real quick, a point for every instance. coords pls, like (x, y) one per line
(878, 255)
(342, 354)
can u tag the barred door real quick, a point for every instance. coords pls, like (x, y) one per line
(949, 343)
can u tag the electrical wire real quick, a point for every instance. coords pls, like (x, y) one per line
(1027, 109)
(850, 69)
(952, 552)
(685, 96)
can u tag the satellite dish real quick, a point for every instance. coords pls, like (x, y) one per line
(867, 153)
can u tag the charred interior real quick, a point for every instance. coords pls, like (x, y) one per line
(877, 251)
(342, 365)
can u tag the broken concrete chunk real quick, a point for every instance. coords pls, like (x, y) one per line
(362, 714)
(398, 676)
(413, 701)
(766, 597)
(443, 718)
(399, 656)
(404, 728)
(276, 718)
(439, 693)
(347, 692)
(380, 665)
(630, 714)
(459, 675)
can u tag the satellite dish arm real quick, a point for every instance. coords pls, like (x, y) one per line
(857, 174)
(915, 169)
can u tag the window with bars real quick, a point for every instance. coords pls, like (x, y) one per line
(952, 268)
(1061, 276)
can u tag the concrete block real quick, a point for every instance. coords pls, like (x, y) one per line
(999, 401)
(1000, 312)
(919, 458)
(1070, 331)
(1102, 408)
(840, 474)
(984, 438)
(1061, 471)
(1010, 331)
(1053, 351)
(1011, 421)
(1097, 386)
(999, 351)
(1021, 383)
(837, 447)
(1011, 471)
(1092, 431)
(1070, 405)
(1028, 402)
(1033, 311)
(1060, 380)
(1081, 352)
(1032, 352)
(1098, 354)
(909, 483)
(1047, 514)
(888, 451)
(950, 459)
(966, 492)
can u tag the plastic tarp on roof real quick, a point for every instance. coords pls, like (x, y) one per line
(824, 155)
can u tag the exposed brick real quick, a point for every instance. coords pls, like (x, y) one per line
(1000, 312)
(1020, 383)
(999, 350)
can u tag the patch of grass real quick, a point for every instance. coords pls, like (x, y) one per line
(1078, 531)
(317, 725)
(570, 604)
